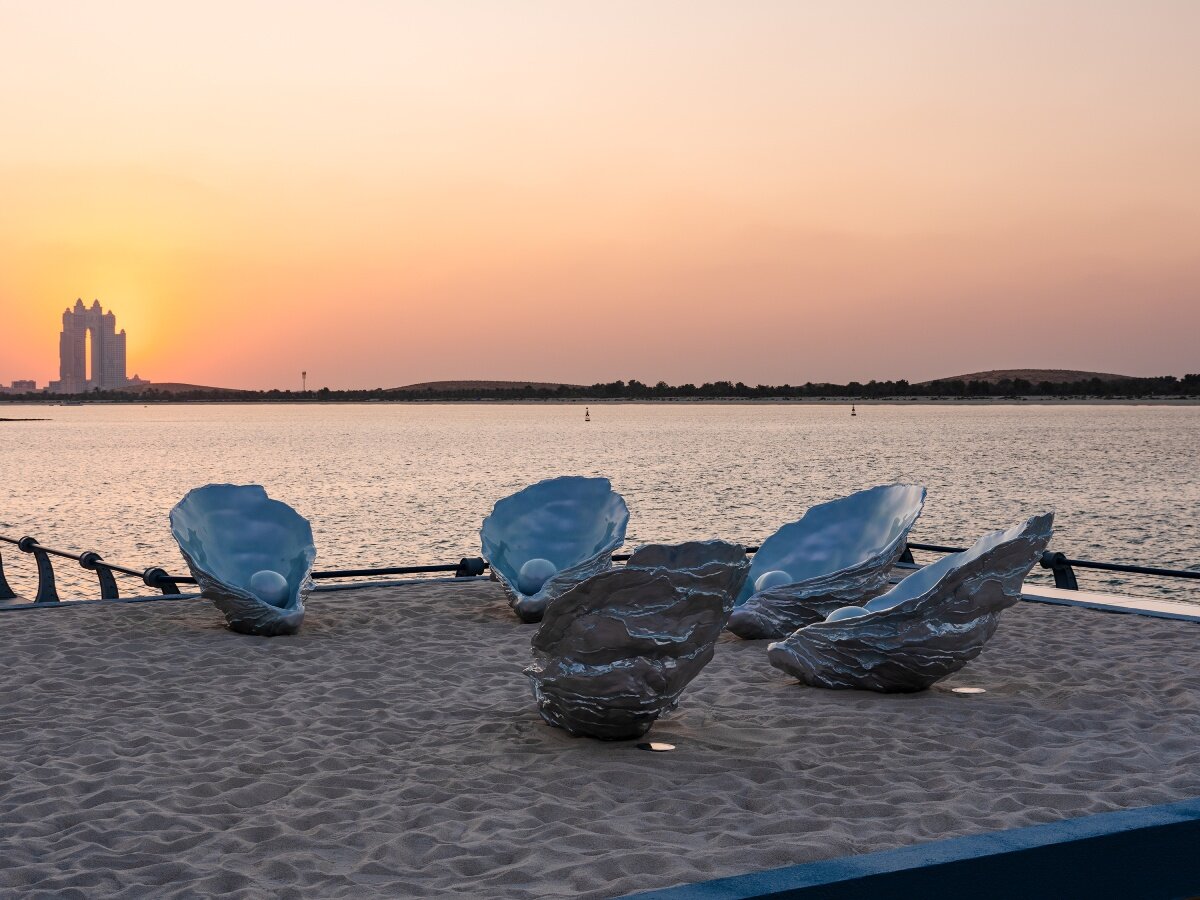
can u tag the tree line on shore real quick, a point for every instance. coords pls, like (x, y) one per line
(1094, 388)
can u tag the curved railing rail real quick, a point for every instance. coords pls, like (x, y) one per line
(1064, 568)
(159, 579)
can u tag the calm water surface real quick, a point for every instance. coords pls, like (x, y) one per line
(395, 484)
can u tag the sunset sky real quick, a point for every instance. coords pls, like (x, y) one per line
(387, 192)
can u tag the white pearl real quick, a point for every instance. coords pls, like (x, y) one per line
(774, 578)
(270, 587)
(881, 602)
(845, 612)
(533, 575)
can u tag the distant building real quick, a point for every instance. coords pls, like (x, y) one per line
(21, 387)
(107, 363)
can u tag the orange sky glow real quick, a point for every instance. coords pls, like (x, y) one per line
(389, 192)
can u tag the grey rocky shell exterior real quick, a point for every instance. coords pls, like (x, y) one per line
(615, 651)
(927, 627)
(842, 553)
(777, 612)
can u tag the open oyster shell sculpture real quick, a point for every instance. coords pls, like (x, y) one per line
(838, 554)
(615, 651)
(928, 626)
(548, 536)
(251, 555)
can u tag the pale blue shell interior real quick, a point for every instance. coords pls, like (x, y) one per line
(839, 534)
(232, 531)
(566, 520)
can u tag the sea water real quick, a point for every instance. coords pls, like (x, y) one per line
(388, 484)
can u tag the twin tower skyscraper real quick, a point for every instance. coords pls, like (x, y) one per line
(107, 369)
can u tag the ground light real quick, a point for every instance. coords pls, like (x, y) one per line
(656, 746)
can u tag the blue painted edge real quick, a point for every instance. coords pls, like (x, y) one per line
(1129, 609)
(1147, 852)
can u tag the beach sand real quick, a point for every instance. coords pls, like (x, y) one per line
(393, 749)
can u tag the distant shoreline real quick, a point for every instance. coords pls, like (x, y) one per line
(999, 385)
(608, 401)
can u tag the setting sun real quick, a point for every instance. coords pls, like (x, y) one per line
(406, 192)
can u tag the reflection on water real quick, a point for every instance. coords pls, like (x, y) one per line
(394, 484)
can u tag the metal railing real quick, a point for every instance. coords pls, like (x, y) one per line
(47, 590)
(159, 579)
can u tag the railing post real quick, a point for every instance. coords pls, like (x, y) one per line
(6, 593)
(92, 561)
(46, 592)
(158, 578)
(1064, 575)
(469, 566)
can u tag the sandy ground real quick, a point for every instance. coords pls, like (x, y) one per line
(392, 749)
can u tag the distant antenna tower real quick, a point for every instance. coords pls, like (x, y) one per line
(303, 382)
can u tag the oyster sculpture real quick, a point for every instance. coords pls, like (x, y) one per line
(251, 555)
(548, 536)
(615, 651)
(928, 626)
(839, 553)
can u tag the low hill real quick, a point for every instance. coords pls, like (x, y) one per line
(174, 387)
(1033, 376)
(484, 386)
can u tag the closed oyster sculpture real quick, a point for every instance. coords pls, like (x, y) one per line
(614, 652)
(928, 626)
(546, 537)
(251, 555)
(838, 554)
